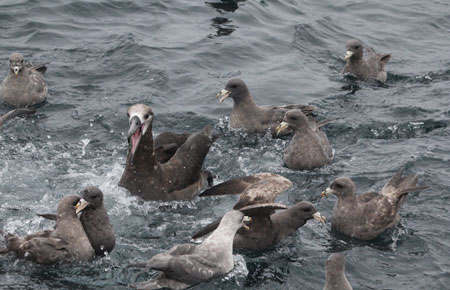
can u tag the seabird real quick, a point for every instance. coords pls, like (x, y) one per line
(368, 215)
(95, 221)
(180, 178)
(369, 67)
(23, 86)
(67, 242)
(335, 273)
(246, 115)
(188, 264)
(257, 195)
(309, 147)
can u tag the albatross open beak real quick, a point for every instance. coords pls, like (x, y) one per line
(320, 218)
(327, 192)
(348, 55)
(16, 69)
(247, 219)
(283, 125)
(82, 204)
(223, 94)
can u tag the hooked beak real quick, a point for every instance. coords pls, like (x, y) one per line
(327, 192)
(82, 204)
(16, 69)
(247, 219)
(348, 55)
(223, 94)
(320, 218)
(283, 125)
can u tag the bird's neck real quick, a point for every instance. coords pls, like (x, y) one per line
(144, 157)
(336, 279)
(246, 103)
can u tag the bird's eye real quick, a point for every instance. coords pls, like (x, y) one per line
(308, 209)
(234, 86)
(357, 47)
(128, 115)
(146, 116)
(21, 61)
(294, 118)
(338, 185)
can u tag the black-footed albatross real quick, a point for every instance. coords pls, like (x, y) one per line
(246, 115)
(369, 67)
(309, 147)
(180, 178)
(95, 221)
(24, 85)
(368, 215)
(16, 113)
(257, 195)
(335, 273)
(67, 242)
(188, 264)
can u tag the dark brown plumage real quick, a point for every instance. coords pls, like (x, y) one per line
(24, 85)
(251, 118)
(257, 195)
(309, 147)
(67, 242)
(180, 178)
(368, 215)
(369, 67)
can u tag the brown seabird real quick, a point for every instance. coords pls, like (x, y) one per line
(368, 215)
(67, 242)
(335, 273)
(309, 147)
(180, 178)
(369, 67)
(23, 86)
(246, 115)
(257, 195)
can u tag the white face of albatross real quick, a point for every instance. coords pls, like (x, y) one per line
(140, 117)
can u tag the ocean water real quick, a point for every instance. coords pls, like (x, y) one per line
(175, 56)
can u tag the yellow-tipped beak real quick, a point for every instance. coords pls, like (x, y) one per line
(320, 218)
(247, 219)
(348, 55)
(283, 125)
(82, 204)
(327, 192)
(223, 94)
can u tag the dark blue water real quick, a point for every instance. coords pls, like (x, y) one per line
(175, 56)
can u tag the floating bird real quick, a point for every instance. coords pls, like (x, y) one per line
(95, 221)
(335, 273)
(180, 178)
(257, 195)
(24, 85)
(368, 215)
(67, 242)
(369, 67)
(189, 264)
(246, 115)
(309, 147)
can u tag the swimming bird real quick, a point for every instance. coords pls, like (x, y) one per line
(24, 85)
(188, 264)
(309, 147)
(16, 113)
(367, 215)
(369, 67)
(335, 273)
(180, 178)
(246, 115)
(95, 221)
(67, 242)
(257, 195)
